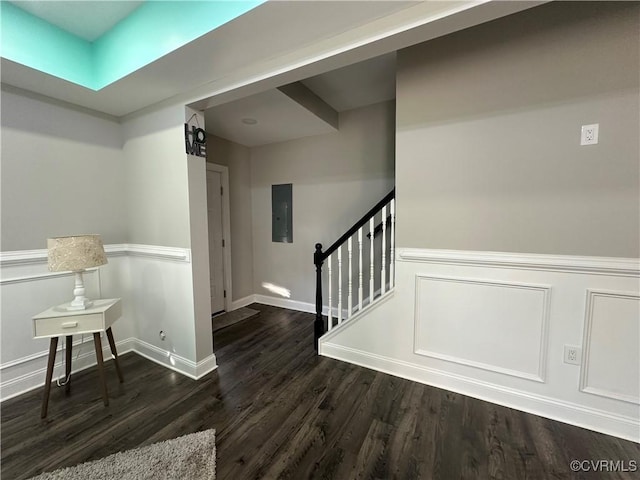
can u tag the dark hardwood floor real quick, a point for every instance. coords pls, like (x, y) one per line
(282, 412)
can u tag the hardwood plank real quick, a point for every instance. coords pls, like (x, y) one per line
(282, 412)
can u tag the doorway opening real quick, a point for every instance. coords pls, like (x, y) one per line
(218, 213)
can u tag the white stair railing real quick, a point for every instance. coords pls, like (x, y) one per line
(381, 255)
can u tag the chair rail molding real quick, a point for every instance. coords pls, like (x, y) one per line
(30, 257)
(614, 266)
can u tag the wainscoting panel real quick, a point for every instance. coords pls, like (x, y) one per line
(485, 324)
(494, 326)
(154, 283)
(611, 350)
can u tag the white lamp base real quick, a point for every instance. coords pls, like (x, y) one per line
(83, 305)
(80, 302)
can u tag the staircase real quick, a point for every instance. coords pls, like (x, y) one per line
(374, 239)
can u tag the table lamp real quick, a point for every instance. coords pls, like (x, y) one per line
(75, 254)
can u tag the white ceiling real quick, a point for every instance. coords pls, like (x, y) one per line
(357, 85)
(279, 119)
(85, 19)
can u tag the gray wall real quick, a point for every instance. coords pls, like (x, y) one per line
(489, 127)
(62, 174)
(157, 184)
(237, 157)
(199, 234)
(336, 178)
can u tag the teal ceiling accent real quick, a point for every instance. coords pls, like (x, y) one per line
(30, 41)
(151, 31)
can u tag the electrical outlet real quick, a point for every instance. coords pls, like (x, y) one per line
(589, 134)
(572, 354)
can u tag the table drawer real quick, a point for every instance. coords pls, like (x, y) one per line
(53, 327)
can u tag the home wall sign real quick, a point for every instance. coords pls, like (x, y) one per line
(195, 141)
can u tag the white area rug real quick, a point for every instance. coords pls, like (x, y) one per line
(191, 457)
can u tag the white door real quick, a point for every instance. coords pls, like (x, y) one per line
(216, 260)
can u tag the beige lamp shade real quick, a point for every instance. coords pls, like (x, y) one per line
(75, 253)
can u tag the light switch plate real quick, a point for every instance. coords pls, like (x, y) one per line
(589, 134)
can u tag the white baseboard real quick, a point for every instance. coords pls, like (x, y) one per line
(243, 302)
(206, 366)
(285, 303)
(296, 305)
(566, 412)
(175, 362)
(34, 378)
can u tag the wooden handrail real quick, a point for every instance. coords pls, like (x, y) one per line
(365, 218)
(378, 228)
(319, 257)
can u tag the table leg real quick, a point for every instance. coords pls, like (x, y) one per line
(112, 345)
(67, 364)
(98, 345)
(47, 385)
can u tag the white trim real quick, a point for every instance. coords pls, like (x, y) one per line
(206, 366)
(116, 249)
(23, 257)
(20, 258)
(39, 276)
(243, 302)
(159, 252)
(626, 267)
(542, 352)
(35, 378)
(45, 353)
(357, 316)
(286, 303)
(29, 257)
(175, 362)
(297, 306)
(226, 232)
(566, 412)
(586, 342)
(311, 307)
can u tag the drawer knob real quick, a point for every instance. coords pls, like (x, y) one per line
(70, 325)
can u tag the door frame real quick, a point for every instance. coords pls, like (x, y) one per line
(226, 230)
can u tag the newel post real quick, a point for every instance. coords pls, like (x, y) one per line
(318, 324)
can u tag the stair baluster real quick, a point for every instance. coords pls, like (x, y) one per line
(329, 316)
(371, 260)
(349, 280)
(383, 272)
(360, 269)
(340, 285)
(392, 255)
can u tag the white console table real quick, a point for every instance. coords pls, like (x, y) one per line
(57, 321)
